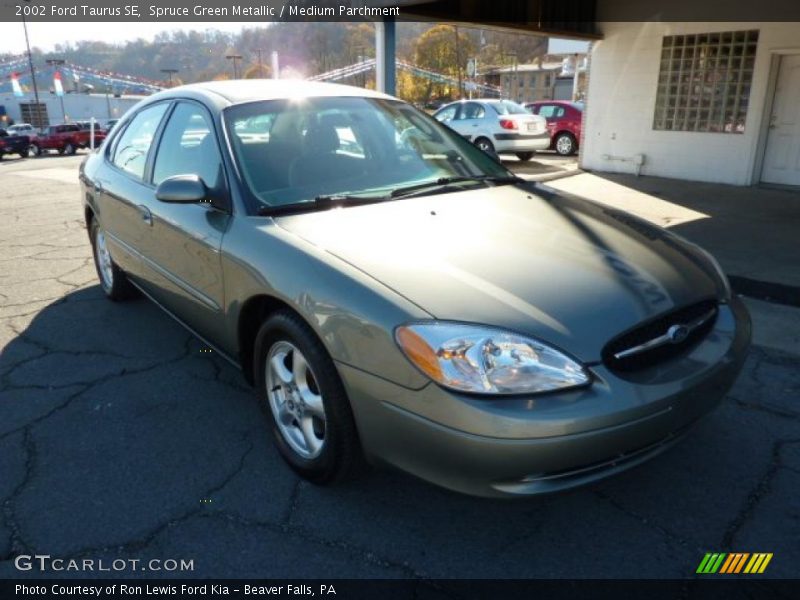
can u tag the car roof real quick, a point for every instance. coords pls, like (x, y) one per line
(249, 90)
(561, 102)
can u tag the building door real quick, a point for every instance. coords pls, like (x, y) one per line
(782, 154)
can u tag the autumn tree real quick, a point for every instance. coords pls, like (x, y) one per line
(258, 71)
(444, 49)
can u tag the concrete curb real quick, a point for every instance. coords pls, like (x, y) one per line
(558, 175)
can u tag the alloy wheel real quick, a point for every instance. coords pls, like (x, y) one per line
(295, 400)
(564, 145)
(104, 264)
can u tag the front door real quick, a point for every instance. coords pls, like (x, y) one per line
(782, 154)
(181, 257)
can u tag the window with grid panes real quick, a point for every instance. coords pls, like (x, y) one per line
(704, 81)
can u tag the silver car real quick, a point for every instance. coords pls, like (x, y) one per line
(397, 297)
(497, 126)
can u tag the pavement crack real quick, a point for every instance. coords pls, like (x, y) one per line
(760, 490)
(641, 518)
(18, 545)
(151, 536)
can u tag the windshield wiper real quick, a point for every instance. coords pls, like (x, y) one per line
(319, 203)
(445, 181)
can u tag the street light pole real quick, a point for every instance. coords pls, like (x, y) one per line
(234, 58)
(57, 62)
(33, 72)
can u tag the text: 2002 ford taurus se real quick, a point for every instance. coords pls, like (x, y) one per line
(398, 297)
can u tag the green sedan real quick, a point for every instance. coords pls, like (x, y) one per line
(397, 297)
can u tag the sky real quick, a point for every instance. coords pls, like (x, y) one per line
(47, 35)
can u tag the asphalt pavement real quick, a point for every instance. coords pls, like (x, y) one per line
(121, 439)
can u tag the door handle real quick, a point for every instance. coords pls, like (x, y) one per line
(147, 216)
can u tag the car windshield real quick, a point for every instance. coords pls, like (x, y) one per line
(507, 107)
(298, 150)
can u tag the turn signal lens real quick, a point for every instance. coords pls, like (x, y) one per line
(419, 352)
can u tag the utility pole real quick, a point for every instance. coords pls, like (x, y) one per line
(33, 74)
(55, 63)
(458, 62)
(234, 58)
(169, 72)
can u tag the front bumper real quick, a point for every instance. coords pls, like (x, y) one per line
(546, 443)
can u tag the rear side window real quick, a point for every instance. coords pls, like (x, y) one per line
(130, 152)
(551, 111)
(507, 107)
(188, 147)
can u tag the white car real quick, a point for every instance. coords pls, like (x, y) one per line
(21, 129)
(497, 126)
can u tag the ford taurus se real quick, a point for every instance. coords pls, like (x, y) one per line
(397, 297)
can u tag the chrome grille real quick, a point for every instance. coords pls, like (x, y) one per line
(652, 342)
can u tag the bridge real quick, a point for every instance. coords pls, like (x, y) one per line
(75, 77)
(366, 66)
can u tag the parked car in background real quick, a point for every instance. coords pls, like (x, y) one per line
(497, 126)
(110, 124)
(21, 129)
(66, 139)
(396, 296)
(86, 125)
(564, 122)
(13, 144)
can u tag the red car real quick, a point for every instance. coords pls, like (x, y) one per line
(67, 139)
(564, 121)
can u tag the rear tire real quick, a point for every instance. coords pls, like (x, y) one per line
(34, 150)
(306, 405)
(525, 156)
(69, 149)
(565, 144)
(113, 280)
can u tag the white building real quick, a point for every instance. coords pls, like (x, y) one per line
(708, 101)
(76, 107)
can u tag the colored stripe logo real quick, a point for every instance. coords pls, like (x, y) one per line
(734, 563)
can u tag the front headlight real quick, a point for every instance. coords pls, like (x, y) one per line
(484, 360)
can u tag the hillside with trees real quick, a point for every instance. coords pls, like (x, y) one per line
(305, 48)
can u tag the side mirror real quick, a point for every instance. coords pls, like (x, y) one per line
(182, 189)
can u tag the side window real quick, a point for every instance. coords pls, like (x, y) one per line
(446, 114)
(550, 111)
(472, 110)
(188, 146)
(130, 152)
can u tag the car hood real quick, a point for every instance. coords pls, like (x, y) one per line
(567, 271)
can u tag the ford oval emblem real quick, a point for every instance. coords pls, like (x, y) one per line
(677, 333)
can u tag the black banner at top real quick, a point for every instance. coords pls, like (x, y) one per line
(535, 13)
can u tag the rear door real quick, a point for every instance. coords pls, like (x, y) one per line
(471, 121)
(120, 189)
(181, 255)
(552, 113)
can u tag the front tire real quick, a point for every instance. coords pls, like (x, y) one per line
(305, 402)
(525, 156)
(69, 149)
(113, 280)
(566, 144)
(486, 145)
(34, 150)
